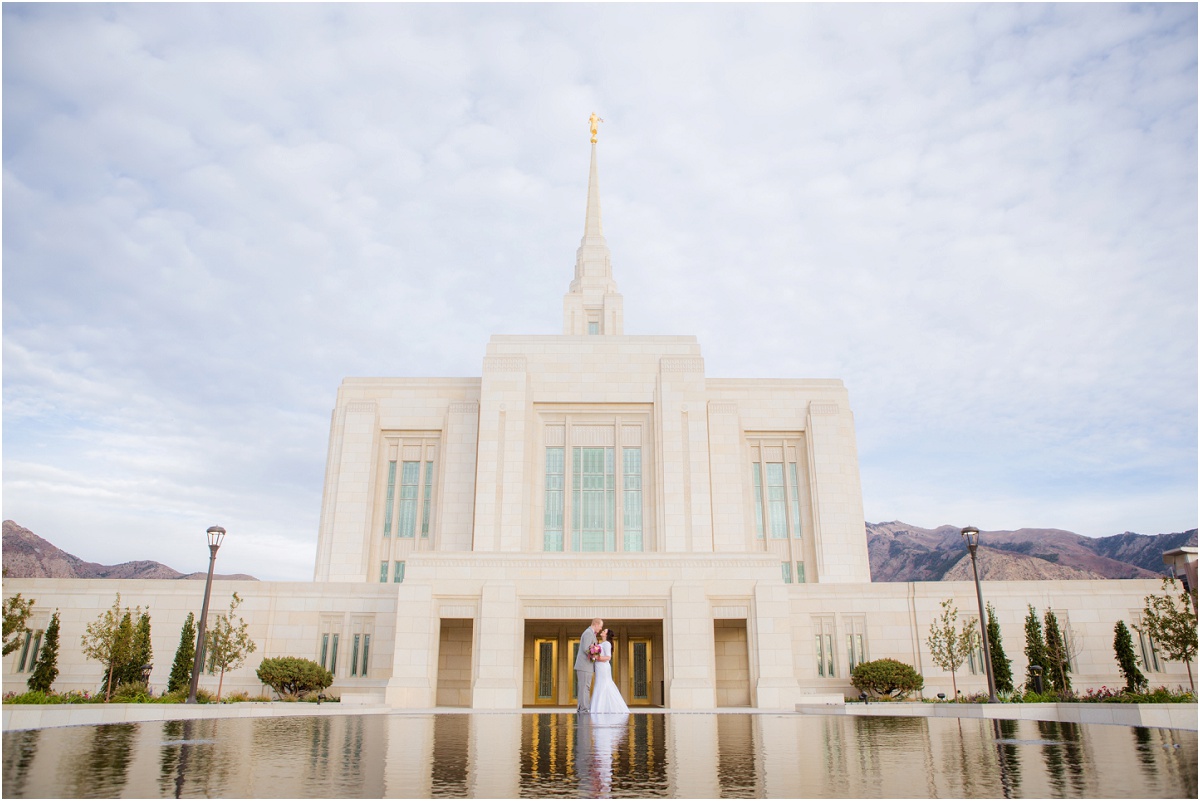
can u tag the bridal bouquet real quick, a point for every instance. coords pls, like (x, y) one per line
(593, 651)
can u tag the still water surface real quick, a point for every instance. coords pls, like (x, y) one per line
(671, 755)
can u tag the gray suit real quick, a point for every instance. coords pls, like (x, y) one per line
(584, 668)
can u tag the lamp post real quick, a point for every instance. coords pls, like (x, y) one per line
(971, 535)
(215, 535)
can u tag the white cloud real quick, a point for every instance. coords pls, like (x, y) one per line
(981, 217)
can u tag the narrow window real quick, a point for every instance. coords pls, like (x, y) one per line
(552, 521)
(787, 572)
(631, 477)
(354, 655)
(794, 491)
(574, 675)
(397, 572)
(776, 502)
(410, 474)
(391, 497)
(593, 327)
(427, 496)
(37, 647)
(25, 651)
(800, 573)
(366, 652)
(383, 572)
(593, 499)
(333, 656)
(829, 655)
(758, 499)
(854, 647)
(820, 656)
(324, 649)
(1149, 652)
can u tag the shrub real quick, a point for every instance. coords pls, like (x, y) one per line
(886, 677)
(51, 697)
(179, 696)
(291, 677)
(134, 692)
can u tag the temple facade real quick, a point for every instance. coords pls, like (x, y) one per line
(471, 528)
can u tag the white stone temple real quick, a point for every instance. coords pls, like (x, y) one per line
(471, 528)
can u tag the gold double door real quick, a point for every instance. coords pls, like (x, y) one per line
(556, 683)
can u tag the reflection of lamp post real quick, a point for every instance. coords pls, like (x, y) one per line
(971, 535)
(215, 535)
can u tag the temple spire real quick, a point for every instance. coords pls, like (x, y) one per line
(593, 305)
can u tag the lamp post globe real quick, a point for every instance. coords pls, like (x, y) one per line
(216, 536)
(970, 535)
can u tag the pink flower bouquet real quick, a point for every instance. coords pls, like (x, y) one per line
(593, 651)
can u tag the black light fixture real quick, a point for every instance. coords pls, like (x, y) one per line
(216, 536)
(971, 536)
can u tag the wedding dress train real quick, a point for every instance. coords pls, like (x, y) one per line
(606, 698)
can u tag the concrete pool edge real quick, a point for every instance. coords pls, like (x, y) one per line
(19, 717)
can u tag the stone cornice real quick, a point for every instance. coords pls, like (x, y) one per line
(593, 561)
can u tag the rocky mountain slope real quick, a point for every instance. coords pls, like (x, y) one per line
(897, 551)
(26, 555)
(900, 552)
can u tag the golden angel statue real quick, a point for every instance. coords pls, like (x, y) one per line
(592, 121)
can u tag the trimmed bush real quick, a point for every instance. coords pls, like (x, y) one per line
(886, 677)
(134, 692)
(291, 676)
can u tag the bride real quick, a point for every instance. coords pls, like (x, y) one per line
(606, 698)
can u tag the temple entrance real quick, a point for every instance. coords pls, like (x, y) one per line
(549, 662)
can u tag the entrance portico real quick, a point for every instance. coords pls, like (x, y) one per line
(692, 631)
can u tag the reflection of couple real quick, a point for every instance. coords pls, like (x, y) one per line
(594, 663)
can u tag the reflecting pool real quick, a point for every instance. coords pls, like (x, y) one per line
(557, 755)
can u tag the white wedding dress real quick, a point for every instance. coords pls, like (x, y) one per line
(606, 698)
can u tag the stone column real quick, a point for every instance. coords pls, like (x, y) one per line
(836, 490)
(771, 665)
(498, 643)
(688, 638)
(344, 541)
(413, 684)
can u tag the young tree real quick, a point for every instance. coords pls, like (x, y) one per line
(1058, 664)
(949, 646)
(118, 674)
(141, 652)
(108, 639)
(1171, 623)
(1001, 665)
(1127, 659)
(1035, 647)
(16, 615)
(185, 655)
(228, 643)
(46, 669)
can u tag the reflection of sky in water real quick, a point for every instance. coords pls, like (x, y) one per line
(681, 755)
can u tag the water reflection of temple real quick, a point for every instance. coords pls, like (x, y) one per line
(680, 755)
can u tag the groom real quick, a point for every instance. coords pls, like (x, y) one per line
(585, 669)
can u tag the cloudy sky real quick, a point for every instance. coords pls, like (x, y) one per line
(982, 218)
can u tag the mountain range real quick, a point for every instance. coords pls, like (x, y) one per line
(26, 555)
(900, 552)
(897, 552)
